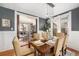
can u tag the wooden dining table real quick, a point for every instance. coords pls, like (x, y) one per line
(42, 49)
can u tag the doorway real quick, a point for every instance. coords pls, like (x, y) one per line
(26, 25)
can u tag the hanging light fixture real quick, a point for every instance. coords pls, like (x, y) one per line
(48, 5)
(47, 13)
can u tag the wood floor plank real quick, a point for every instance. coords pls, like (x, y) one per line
(7, 53)
(12, 53)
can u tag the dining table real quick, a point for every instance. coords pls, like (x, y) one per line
(43, 48)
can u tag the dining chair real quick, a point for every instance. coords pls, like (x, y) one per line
(64, 45)
(58, 45)
(35, 36)
(21, 51)
(60, 35)
(45, 35)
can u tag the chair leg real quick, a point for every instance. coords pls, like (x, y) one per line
(62, 52)
(65, 51)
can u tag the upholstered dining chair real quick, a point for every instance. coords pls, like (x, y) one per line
(35, 36)
(65, 45)
(60, 35)
(58, 45)
(45, 35)
(20, 51)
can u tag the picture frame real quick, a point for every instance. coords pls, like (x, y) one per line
(5, 22)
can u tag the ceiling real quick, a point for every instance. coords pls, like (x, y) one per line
(37, 9)
(40, 9)
(63, 7)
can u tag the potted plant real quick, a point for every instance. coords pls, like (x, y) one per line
(46, 26)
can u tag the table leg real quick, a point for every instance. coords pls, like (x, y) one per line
(34, 52)
(29, 44)
(42, 54)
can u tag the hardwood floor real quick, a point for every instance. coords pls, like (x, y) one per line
(7, 53)
(12, 53)
(74, 51)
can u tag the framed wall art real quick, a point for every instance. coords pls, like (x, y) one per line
(6, 23)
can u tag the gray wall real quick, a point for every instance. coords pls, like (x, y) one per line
(7, 14)
(75, 19)
(41, 23)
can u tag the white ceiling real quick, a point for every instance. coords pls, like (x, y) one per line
(37, 9)
(40, 9)
(63, 7)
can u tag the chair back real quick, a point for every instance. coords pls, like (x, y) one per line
(45, 35)
(59, 44)
(16, 46)
(60, 35)
(35, 36)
